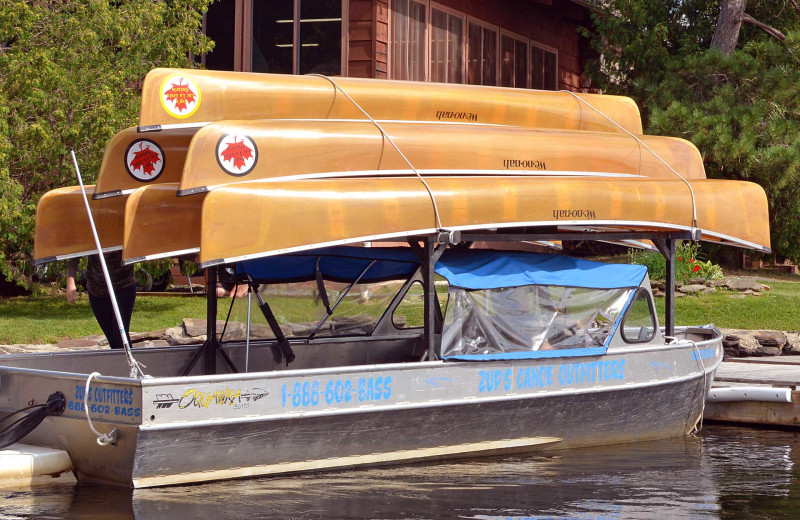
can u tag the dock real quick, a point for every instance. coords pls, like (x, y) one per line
(757, 391)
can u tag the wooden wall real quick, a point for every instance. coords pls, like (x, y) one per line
(553, 23)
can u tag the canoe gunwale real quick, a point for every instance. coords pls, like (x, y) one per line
(109, 194)
(48, 259)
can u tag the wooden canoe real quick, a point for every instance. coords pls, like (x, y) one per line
(300, 215)
(62, 226)
(181, 97)
(132, 160)
(262, 218)
(319, 149)
(233, 151)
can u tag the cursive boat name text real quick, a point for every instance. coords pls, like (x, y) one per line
(458, 116)
(559, 214)
(525, 164)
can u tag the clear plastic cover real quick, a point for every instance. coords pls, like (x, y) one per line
(529, 318)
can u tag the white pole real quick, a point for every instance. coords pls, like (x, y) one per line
(135, 365)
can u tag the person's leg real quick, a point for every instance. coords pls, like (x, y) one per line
(125, 299)
(104, 313)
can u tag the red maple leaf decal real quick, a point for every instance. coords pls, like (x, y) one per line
(145, 159)
(237, 152)
(180, 94)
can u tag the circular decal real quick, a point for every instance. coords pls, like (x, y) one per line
(144, 160)
(236, 154)
(180, 97)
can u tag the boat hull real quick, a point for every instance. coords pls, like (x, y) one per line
(176, 430)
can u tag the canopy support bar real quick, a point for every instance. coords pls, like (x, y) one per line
(272, 321)
(667, 249)
(430, 253)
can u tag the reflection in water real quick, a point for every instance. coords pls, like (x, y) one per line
(728, 473)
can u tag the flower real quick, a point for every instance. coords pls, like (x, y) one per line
(695, 268)
(680, 258)
(692, 260)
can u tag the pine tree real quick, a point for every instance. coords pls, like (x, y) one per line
(741, 109)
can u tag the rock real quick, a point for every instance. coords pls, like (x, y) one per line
(177, 336)
(742, 342)
(84, 342)
(196, 327)
(708, 290)
(745, 283)
(767, 351)
(692, 289)
(770, 338)
(136, 337)
(792, 347)
(153, 343)
(737, 296)
(698, 281)
(235, 331)
(722, 282)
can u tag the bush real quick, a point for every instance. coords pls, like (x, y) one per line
(689, 263)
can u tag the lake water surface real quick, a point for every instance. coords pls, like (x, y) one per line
(725, 473)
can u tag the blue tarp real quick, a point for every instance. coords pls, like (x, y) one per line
(470, 269)
(484, 269)
(341, 263)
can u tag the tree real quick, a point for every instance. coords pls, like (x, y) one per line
(741, 107)
(70, 74)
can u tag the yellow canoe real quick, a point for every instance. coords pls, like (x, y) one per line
(132, 160)
(62, 226)
(262, 218)
(233, 151)
(185, 97)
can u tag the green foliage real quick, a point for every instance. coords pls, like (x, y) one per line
(689, 263)
(742, 111)
(653, 260)
(70, 74)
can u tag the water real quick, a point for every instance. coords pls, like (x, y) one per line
(726, 473)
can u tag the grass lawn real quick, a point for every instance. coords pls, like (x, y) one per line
(777, 309)
(52, 319)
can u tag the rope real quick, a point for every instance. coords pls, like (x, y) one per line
(391, 141)
(699, 425)
(103, 439)
(641, 143)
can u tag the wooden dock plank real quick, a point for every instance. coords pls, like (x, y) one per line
(786, 375)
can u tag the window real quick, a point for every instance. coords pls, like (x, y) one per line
(447, 47)
(219, 25)
(409, 313)
(435, 43)
(639, 324)
(297, 36)
(514, 65)
(409, 32)
(544, 68)
(482, 55)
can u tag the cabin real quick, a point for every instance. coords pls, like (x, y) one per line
(512, 43)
